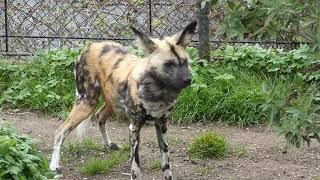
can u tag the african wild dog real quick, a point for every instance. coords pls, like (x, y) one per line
(140, 88)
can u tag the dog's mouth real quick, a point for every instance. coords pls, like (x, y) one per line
(174, 85)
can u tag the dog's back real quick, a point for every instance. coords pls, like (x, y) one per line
(104, 67)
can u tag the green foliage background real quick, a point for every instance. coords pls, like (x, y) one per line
(237, 89)
(19, 158)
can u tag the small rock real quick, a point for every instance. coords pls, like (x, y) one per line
(194, 162)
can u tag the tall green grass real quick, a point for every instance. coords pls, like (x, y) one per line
(228, 95)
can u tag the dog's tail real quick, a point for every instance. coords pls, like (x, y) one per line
(83, 127)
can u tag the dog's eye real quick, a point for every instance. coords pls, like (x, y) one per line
(170, 64)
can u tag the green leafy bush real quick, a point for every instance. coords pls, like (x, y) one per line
(19, 158)
(297, 116)
(272, 61)
(45, 82)
(208, 145)
(285, 20)
(292, 108)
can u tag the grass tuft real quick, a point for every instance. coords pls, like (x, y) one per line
(207, 146)
(155, 164)
(79, 148)
(100, 166)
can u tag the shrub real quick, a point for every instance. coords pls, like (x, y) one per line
(19, 158)
(295, 116)
(208, 145)
(45, 82)
(271, 61)
(286, 20)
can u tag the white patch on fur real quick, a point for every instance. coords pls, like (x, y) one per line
(96, 83)
(165, 155)
(164, 158)
(137, 173)
(134, 165)
(105, 136)
(54, 165)
(167, 173)
(77, 94)
(131, 127)
(55, 159)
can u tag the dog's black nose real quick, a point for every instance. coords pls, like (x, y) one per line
(187, 82)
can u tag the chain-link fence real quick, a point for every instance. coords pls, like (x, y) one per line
(28, 25)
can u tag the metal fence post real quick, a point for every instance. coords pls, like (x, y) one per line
(204, 28)
(6, 25)
(150, 16)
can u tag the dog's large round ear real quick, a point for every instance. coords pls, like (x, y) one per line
(144, 41)
(185, 36)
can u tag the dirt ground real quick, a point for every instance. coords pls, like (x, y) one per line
(258, 152)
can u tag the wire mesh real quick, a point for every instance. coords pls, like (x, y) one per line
(29, 25)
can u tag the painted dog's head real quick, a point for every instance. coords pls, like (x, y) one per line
(167, 58)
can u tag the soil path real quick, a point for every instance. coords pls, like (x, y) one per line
(259, 153)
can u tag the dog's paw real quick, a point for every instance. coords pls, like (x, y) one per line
(58, 173)
(58, 176)
(114, 146)
(111, 147)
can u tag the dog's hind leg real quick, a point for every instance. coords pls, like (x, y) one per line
(80, 111)
(87, 95)
(102, 116)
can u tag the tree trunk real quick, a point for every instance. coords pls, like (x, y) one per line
(203, 30)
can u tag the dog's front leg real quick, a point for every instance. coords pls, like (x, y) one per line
(161, 130)
(134, 133)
